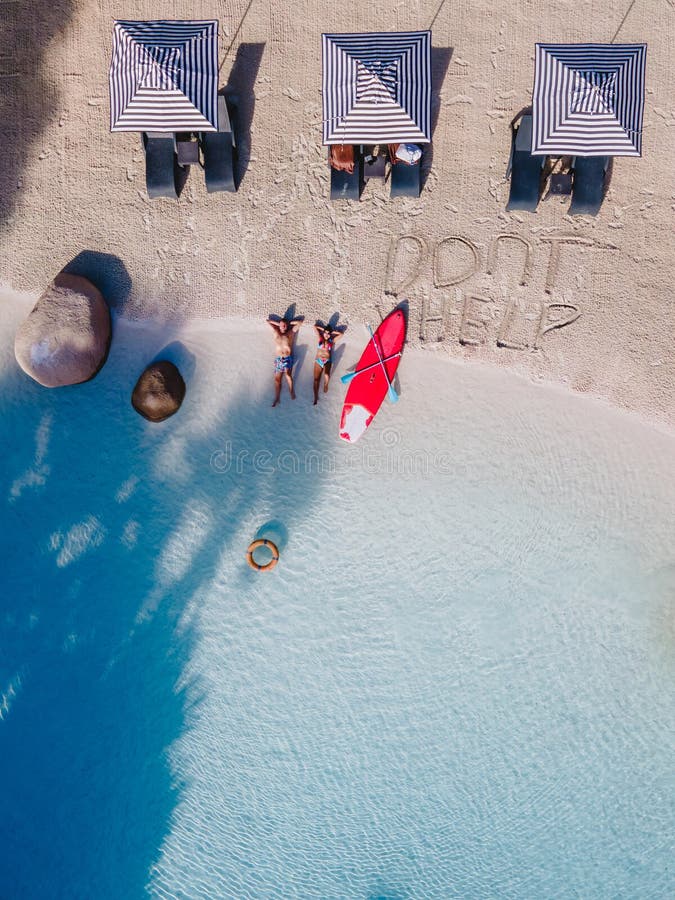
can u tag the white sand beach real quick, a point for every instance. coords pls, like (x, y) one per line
(70, 186)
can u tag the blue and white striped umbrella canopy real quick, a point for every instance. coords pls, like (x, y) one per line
(588, 99)
(164, 76)
(377, 88)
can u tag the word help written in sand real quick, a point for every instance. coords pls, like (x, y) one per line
(454, 260)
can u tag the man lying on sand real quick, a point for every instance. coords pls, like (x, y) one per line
(284, 338)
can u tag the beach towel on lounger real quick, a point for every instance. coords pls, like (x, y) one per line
(342, 158)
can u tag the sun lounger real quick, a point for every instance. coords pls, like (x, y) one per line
(406, 180)
(347, 180)
(219, 149)
(160, 164)
(525, 170)
(588, 185)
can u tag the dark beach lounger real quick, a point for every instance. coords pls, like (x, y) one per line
(347, 185)
(525, 169)
(219, 149)
(406, 180)
(160, 164)
(588, 185)
(344, 186)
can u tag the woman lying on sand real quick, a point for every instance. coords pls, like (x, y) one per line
(323, 361)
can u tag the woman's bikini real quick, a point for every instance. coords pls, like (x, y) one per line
(329, 346)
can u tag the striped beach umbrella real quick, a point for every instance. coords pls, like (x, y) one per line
(588, 99)
(377, 88)
(164, 76)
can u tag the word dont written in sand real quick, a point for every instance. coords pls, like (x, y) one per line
(454, 260)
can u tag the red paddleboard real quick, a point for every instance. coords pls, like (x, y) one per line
(368, 389)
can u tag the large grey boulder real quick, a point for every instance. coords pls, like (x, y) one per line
(66, 337)
(159, 391)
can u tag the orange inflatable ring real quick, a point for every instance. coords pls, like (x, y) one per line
(262, 542)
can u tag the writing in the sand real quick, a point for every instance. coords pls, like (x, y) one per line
(476, 316)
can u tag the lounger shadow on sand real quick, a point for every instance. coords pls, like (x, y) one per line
(219, 149)
(161, 165)
(406, 180)
(525, 170)
(347, 185)
(588, 186)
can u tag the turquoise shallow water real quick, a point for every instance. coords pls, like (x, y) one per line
(456, 683)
